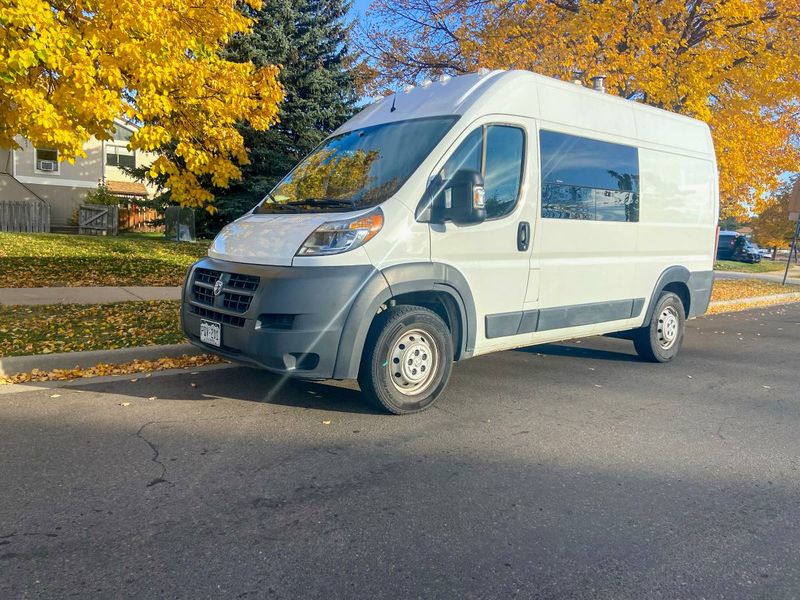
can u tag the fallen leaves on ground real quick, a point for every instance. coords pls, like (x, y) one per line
(49, 328)
(735, 289)
(756, 303)
(730, 290)
(136, 366)
(60, 260)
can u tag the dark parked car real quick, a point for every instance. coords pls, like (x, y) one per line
(735, 246)
(726, 243)
(748, 252)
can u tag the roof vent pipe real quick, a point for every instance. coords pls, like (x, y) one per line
(577, 77)
(599, 83)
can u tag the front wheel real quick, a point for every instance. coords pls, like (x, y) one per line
(407, 359)
(662, 339)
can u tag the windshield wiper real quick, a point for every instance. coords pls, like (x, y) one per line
(322, 202)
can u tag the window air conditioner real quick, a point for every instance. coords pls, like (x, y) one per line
(47, 165)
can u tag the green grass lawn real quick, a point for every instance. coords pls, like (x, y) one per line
(76, 327)
(765, 266)
(55, 260)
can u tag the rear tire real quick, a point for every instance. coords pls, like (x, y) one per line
(407, 359)
(661, 340)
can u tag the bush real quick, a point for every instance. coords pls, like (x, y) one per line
(102, 196)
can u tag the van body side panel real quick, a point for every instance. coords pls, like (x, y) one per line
(677, 227)
(487, 255)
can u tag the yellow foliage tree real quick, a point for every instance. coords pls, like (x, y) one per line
(734, 64)
(67, 69)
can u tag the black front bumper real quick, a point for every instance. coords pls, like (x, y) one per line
(285, 319)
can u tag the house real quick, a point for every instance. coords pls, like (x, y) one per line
(28, 173)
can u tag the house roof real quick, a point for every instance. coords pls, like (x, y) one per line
(127, 188)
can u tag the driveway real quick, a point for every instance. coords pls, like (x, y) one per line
(559, 471)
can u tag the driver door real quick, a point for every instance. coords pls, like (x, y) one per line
(493, 256)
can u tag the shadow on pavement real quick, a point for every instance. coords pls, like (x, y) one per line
(574, 351)
(245, 384)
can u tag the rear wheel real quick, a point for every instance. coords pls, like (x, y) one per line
(662, 339)
(407, 359)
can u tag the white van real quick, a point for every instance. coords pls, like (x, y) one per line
(466, 216)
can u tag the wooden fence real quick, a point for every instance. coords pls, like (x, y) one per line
(25, 216)
(138, 218)
(98, 219)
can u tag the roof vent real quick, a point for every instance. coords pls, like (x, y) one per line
(599, 83)
(577, 76)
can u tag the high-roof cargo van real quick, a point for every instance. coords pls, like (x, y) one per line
(461, 217)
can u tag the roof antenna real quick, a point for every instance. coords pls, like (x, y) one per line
(394, 101)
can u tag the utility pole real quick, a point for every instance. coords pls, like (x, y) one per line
(794, 215)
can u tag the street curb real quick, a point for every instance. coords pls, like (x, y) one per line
(755, 300)
(69, 360)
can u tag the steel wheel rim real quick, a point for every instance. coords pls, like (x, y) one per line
(412, 362)
(668, 327)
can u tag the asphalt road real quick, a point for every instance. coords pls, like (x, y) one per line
(562, 471)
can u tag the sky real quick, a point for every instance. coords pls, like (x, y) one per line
(360, 6)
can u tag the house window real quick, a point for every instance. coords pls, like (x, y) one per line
(46, 160)
(588, 179)
(122, 135)
(118, 156)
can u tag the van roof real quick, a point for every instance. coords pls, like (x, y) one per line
(549, 100)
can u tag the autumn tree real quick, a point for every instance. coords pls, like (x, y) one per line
(733, 64)
(67, 69)
(310, 40)
(772, 228)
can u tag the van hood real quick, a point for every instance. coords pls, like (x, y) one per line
(266, 239)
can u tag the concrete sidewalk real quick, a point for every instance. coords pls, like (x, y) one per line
(85, 295)
(774, 276)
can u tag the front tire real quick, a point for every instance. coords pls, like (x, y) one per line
(407, 359)
(662, 339)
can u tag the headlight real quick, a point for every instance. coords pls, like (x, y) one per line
(335, 237)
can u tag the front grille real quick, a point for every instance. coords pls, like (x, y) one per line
(243, 282)
(203, 295)
(206, 276)
(236, 295)
(236, 302)
(218, 316)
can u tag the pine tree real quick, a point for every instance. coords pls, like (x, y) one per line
(308, 38)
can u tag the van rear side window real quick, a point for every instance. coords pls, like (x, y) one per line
(588, 179)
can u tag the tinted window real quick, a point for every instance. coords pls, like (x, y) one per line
(500, 165)
(588, 179)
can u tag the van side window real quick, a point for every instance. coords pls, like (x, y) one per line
(588, 179)
(497, 152)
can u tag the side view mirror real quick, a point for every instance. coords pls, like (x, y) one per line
(460, 199)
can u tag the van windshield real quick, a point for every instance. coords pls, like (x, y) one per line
(358, 169)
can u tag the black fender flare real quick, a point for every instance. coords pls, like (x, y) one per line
(673, 274)
(394, 281)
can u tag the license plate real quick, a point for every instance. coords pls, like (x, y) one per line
(211, 333)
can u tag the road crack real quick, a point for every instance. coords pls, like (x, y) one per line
(155, 458)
